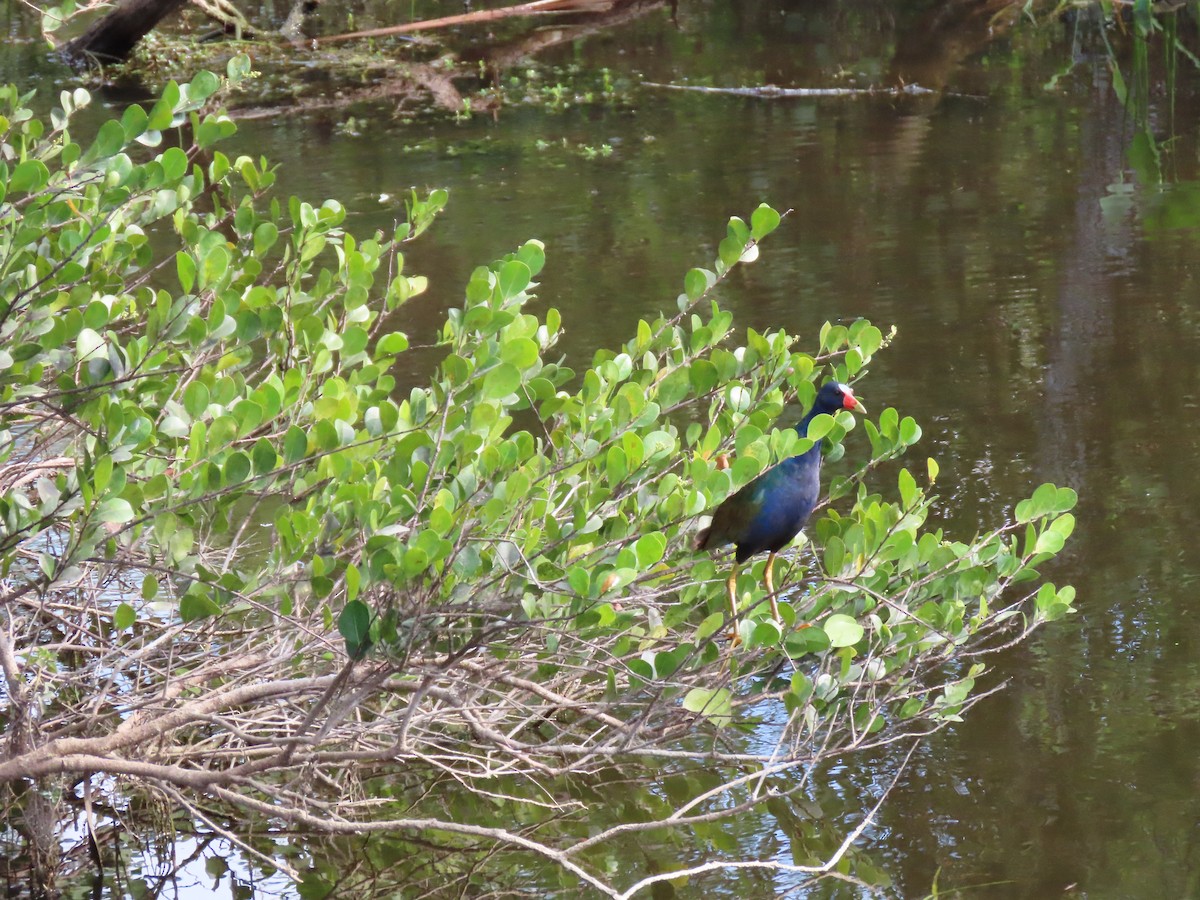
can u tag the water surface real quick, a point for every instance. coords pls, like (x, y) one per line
(1044, 287)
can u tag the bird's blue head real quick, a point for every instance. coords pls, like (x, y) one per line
(833, 396)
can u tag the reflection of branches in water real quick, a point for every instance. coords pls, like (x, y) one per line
(930, 51)
(506, 55)
(401, 82)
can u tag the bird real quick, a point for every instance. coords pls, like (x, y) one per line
(770, 511)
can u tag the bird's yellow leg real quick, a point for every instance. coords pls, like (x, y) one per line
(771, 587)
(731, 585)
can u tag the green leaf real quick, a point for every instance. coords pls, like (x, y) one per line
(264, 456)
(696, 282)
(532, 253)
(162, 114)
(763, 221)
(520, 352)
(295, 445)
(820, 426)
(133, 121)
(715, 704)
(1064, 499)
(908, 488)
(114, 509)
(501, 381)
(803, 641)
(214, 265)
(239, 68)
(89, 345)
(1044, 498)
(185, 269)
(766, 633)
(391, 344)
(1049, 542)
(580, 581)
(236, 468)
(110, 140)
(265, 236)
(195, 399)
(843, 631)
(174, 426)
(124, 617)
(175, 164)
(354, 624)
(29, 177)
(212, 129)
(649, 549)
(514, 277)
(102, 474)
(197, 606)
(204, 85)
(674, 387)
(710, 626)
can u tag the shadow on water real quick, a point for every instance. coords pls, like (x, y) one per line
(1048, 321)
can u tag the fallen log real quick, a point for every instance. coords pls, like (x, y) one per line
(113, 36)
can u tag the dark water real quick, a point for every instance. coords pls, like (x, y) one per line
(1042, 274)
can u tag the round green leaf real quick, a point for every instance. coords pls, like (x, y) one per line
(114, 509)
(236, 468)
(533, 253)
(109, 141)
(31, 175)
(695, 283)
(763, 221)
(580, 581)
(820, 426)
(175, 164)
(197, 606)
(124, 617)
(514, 277)
(501, 381)
(650, 549)
(715, 704)
(521, 352)
(264, 456)
(203, 86)
(843, 630)
(195, 399)
(295, 444)
(393, 343)
(89, 345)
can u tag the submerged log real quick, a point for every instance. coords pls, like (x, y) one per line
(112, 37)
(771, 91)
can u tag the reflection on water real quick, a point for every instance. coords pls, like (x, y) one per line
(1042, 336)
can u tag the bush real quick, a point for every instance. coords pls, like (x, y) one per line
(235, 552)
